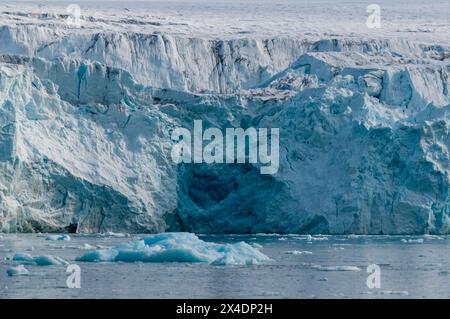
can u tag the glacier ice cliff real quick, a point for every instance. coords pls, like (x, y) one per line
(86, 118)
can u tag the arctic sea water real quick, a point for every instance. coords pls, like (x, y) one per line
(300, 266)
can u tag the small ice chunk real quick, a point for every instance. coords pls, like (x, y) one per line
(336, 268)
(57, 237)
(178, 247)
(100, 255)
(17, 271)
(319, 238)
(298, 252)
(310, 238)
(111, 234)
(23, 258)
(431, 237)
(45, 260)
(87, 247)
(412, 241)
(49, 260)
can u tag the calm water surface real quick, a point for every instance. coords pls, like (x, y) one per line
(302, 267)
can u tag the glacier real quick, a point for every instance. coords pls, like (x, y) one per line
(86, 116)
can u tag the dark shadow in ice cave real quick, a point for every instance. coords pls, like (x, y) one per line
(218, 198)
(224, 198)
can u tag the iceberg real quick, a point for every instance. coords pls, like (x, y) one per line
(178, 247)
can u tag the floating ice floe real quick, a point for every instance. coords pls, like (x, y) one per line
(354, 236)
(298, 252)
(431, 237)
(178, 247)
(86, 247)
(117, 235)
(44, 260)
(335, 268)
(310, 238)
(17, 271)
(413, 241)
(57, 237)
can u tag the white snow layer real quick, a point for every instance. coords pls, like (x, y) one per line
(178, 247)
(86, 115)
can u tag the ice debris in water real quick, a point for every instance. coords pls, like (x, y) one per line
(17, 271)
(57, 237)
(44, 260)
(415, 241)
(86, 247)
(335, 268)
(178, 247)
(431, 237)
(310, 238)
(112, 234)
(298, 252)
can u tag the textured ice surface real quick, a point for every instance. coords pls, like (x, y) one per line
(86, 115)
(17, 271)
(44, 260)
(178, 247)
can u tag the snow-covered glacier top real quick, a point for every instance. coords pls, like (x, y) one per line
(87, 110)
(225, 19)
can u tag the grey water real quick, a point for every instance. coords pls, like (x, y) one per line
(301, 267)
